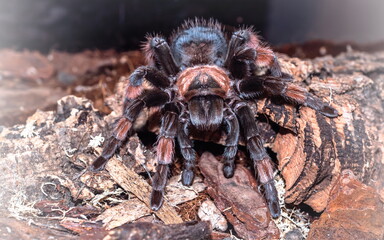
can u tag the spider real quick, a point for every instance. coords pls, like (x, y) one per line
(202, 81)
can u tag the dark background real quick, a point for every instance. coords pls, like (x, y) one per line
(75, 25)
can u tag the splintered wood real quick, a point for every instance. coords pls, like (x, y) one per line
(132, 182)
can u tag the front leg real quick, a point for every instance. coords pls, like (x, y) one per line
(246, 53)
(157, 50)
(153, 75)
(261, 160)
(131, 109)
(120, 133)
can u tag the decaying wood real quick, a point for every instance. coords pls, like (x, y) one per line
(42, 162)
(355, 211)
(238, 199)
(11, 229)
(125, 212)
(140, 230)
(312, 150)
(132, 182)
(209, 212)
(149, 231)
(41, 158)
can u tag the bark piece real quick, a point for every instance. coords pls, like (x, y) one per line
(177, 193)
(60, 208)
(11, 229)
(209, 212)
(312, 155)
(39, 154)
(132, 182)
(140, 230)
(149, 231)
(86, 229)
(221, 236)
(355, 211)
(129, 211)
(125, 212)
(238, 199)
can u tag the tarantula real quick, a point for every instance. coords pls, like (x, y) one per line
(202, 81)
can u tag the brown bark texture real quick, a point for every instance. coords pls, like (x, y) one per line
(42, 160)
(316, 149)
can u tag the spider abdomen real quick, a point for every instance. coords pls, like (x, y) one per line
(206, 112)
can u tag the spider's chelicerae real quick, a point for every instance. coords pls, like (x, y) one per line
(200, 80)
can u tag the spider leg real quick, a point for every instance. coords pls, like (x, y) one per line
(271, 86)
(239, 59)
(165, 151)
(153, 75)
(149, 98)
(186, 149)
(158, 49)
(233, 131)
(246, 53)
(259, 156)
(237, 41)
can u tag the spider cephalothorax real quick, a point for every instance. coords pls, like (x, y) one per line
(203, 81)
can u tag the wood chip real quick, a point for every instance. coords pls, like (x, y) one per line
(177, 193)
(132, 182)
(125, 212)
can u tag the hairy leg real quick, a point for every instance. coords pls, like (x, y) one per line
(186, 148)
(261, 160)
(246, 53)
(233, 132)
(131, 110)
(153, 75)
(165, 152)
(268, 86)
(157, 51)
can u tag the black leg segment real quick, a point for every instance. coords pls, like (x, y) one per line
(153, 75)
(186, 148)
(163, 55)
(259, 156)
(233, 131)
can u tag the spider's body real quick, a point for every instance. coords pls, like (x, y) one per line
(202, 81)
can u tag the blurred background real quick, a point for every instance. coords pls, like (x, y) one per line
(72, 25)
